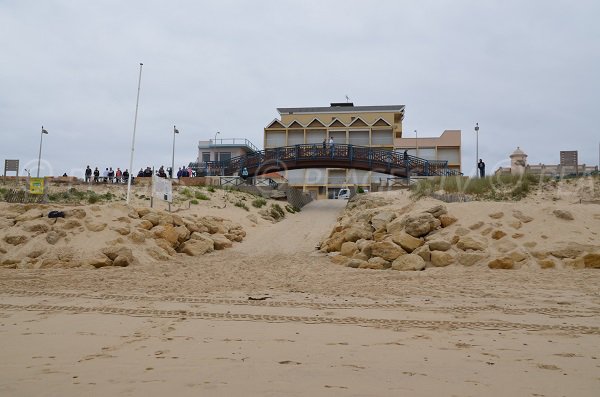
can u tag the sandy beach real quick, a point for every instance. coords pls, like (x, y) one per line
(274, 316)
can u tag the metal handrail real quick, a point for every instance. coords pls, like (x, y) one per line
(375, 157)
(234, 141)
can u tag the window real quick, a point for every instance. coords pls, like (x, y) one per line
(275, 139)
(360, 138)
(205, 157)
(224, 156)
(315, 136)
(295, 137)
(382, 137)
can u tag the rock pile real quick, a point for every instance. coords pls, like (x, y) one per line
(372, 234)
(112, 235)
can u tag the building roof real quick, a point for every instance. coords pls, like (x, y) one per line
(342, 109)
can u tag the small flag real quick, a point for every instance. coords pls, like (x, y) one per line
(175, 130)
(44, 131)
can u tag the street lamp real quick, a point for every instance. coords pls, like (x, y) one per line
(416, 144)
(217, 133)
(476, 147)
(40, 154)
(175, 131)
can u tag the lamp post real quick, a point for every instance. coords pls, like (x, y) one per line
(217, 133)
(137, 102)
(40, 154)
(416, 144)
(175, 131)
(476, 147)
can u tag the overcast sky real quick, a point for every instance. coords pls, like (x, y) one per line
(527, 71)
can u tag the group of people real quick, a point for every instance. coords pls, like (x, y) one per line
(108, 175)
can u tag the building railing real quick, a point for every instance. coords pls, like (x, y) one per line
(233, 141)
(345, 156)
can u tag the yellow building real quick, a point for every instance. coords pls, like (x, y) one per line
(373, 126)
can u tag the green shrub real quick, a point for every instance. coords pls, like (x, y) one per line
(93, 198)
(276, 211)
(292, 209)
(242, 205)
(259, 202)
(201, 196)
(360, 190)
(194, 201)
(211, 189)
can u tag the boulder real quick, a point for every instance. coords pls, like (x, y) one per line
(112, 252)
(515, 224)
(145, 224)
(496, 215)
(339, 259)
(167, 233)
(52, 237)
(470, 258)
(421, 224)
(466, 243)
(396, 225)
(437, 210)
(379, 263)
(36, 227)
(357, 263)
(213, 225)
(476, 226)
(592, 260)
(406, 241)
(35, 251)
(97, 260)
(441, 258)
(137, 237)
(520, 216)
(570, 250)
(439, 245)
(30, 215)
(165, 218)
(332, 244)
(361, 256)
(380, 220)
(408, 262)
(577, 263)
(183, 233)
(133, 214)
(177, 220)
(498, 234)
(94, 227)
(348, 249)
(122, 230)
(354, 233)
(195, 247)
(502, 263)
(15, 239)
(546, 263)
(517, 235)
(447, 220)
(142, 212)
(505, 245)
(78, 213)
(220, 241)
(563, 214)
(158, 253)
(71, 224)
(461, 231)
(151, 217)
(386, 250)
(424, 252)
(518, 255)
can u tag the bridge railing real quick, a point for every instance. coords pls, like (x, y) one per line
(375, 158)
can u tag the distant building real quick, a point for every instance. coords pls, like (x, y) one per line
(373, 126)
(221, 150)
(568, 165)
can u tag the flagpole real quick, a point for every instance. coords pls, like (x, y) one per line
(137, 102)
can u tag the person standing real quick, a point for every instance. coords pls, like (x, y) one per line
(331, 144)
(481, 168)
(96, 175)
(88, 174)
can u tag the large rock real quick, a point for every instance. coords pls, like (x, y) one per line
(498, 234)
(332, 244)
(447, 220)
(476, 225)
(137, 237)
(357, 263)
(145, 224)
(78, 213)
(357, 232)
(167, 233)
(348, 249)
(437, 210)
(424, 252)
(339, 259)
(71, 224)
(471, 243)
(441, 258)
(408, 262)
(563, 214)
(220, 241)
(470, 258)
(36, 227)
(381, 220)
(570, 249)
(195, 247)
(577, 263)
(386, 250)
(151, 217)
(158, 253)
(518, 255)
(496, 215)
(15, 239)
(165, 218)
(94, 227)
(396, 225)
(406, 241)
(121, 256)
(522, 217)
(183, 234)
(213, 225)
(502, 263)
(546, 263)
(30, 215)
(98, 260)
(52, 237)
(592, 260)
(421, 224)
(379, 263)
(439, 245)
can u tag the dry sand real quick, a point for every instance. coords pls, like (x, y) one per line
(196, 326)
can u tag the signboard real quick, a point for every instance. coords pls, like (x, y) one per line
(11, 165)
(36, 185)
(162, 189)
